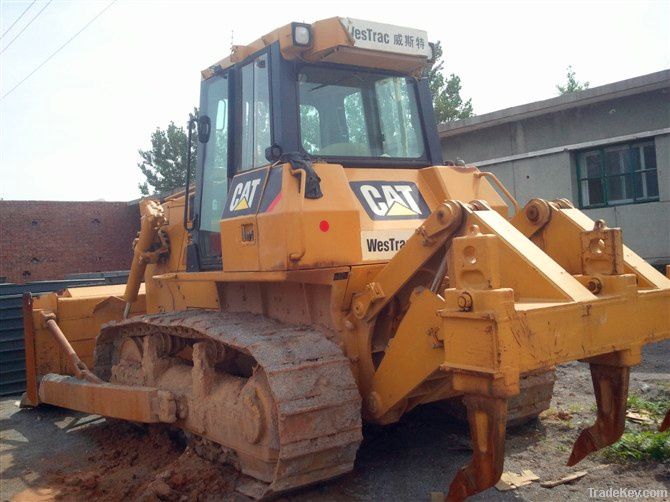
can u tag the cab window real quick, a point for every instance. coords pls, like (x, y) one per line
(215, 164)
(310, 124)
(361, 114)
(255, 111)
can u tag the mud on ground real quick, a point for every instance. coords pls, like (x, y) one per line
(133, 463)
(54, 454)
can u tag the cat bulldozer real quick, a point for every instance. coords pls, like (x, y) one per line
(326, 267)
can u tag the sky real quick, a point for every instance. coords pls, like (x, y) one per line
(72, 130)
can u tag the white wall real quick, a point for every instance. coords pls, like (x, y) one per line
(545, 168)
(646, 227)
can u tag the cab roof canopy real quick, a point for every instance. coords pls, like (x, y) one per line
(342, 40)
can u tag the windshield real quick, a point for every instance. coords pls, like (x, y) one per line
(345, 113)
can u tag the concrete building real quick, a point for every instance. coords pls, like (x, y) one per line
(607, 149)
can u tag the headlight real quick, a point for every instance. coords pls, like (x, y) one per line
(302, 34)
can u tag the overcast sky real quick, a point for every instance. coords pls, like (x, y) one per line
(72, 130)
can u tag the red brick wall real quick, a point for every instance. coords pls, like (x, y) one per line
(44, 240)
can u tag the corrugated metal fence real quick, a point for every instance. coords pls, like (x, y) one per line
(12, 355)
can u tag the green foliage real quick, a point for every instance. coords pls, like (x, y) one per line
(656, 408)
(164, 165)
(310, 129)
(640, 446)
(447, 100)
(643, 445)
(572, 84)
(354, 113)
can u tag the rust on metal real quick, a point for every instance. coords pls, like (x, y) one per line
(29, 343)
(610, 384)
(665, 425)
(487, 417)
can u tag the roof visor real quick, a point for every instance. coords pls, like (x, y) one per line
(387, 37)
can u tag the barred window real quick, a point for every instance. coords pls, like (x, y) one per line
(617, 174)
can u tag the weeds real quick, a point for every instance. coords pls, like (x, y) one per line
(643, 445)
(656, 409)
(575, 408)
(640, 446)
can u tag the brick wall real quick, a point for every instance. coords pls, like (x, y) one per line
(44, 240)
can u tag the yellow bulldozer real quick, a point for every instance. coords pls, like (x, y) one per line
(326, 267)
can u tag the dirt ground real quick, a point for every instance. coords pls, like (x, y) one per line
(50, 453)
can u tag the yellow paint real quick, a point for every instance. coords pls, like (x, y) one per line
(242, 204)
(518, 296)
(398, 209)
(531, 306)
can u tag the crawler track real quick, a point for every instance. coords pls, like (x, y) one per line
(314, 395)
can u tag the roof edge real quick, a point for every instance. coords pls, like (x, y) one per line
(631, 86)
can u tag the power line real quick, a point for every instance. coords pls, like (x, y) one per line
(24, 28)
(18, 18)
(60, 48)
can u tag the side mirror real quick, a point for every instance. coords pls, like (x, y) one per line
(273, 153)
(204, 128)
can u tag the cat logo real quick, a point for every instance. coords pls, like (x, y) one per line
(384, 200)
(244, 194)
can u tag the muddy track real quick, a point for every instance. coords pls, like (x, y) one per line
(315, 395)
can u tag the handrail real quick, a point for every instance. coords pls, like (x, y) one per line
(517, 207)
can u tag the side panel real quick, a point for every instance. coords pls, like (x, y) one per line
(364, 215)
(239, 235)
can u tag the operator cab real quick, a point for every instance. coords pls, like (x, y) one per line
(290, 93)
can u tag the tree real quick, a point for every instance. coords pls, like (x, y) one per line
(164, 165)
(447, 100)
(572, 84)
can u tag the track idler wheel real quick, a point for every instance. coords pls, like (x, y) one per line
(610, 384)
(487, 417)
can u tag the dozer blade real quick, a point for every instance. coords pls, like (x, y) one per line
(610, 384)
(487, 417)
